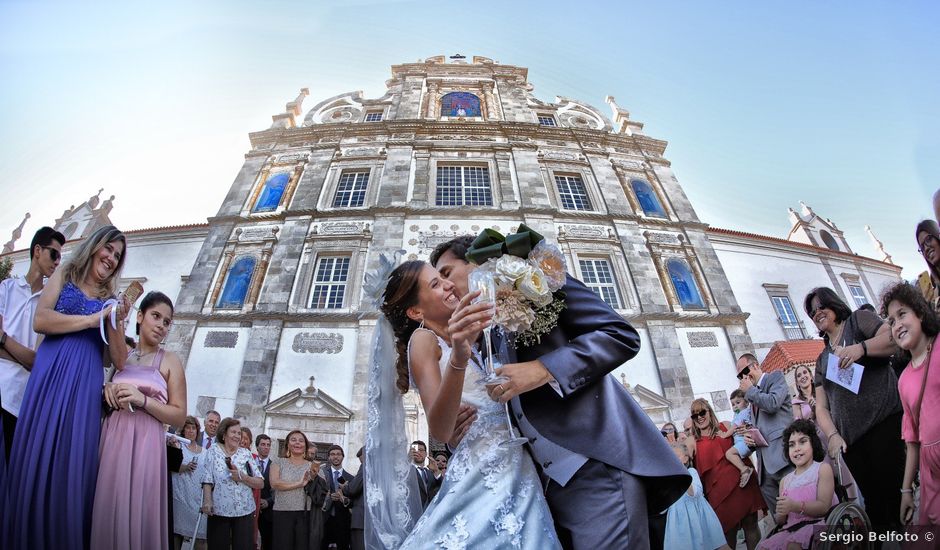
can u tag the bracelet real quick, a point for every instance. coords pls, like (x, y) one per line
(450, 363)
(144, 406)
(907, 491)
(864, 349)
(834, 432)
(3, 341)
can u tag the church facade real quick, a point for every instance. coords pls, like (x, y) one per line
(270, 318)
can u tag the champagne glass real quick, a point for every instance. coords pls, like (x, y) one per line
(483, 280)
(502, 353)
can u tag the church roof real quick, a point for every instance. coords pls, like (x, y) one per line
(777, 240)
(786, 355)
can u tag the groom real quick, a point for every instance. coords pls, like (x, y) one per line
(606, 468)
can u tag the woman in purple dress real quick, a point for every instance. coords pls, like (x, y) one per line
(130, 511)
(54, 461)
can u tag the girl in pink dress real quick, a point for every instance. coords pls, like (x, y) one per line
(914, 327)
(806, 494)
(130, 511)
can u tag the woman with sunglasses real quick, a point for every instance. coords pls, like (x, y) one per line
(927, 234)
(735, 506)
(865, 427)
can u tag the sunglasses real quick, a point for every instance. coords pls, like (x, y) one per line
(700, 414)
(53, 253)
(923, 245)
(744, 372)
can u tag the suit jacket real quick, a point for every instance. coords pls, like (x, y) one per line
(342, 512)
(774, 413)
(429, 489)
(595, 416)
(354, 490)
(266, 493)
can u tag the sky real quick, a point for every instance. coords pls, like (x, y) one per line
(763, 104)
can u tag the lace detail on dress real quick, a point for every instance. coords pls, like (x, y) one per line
(72, 301)
(457, 538)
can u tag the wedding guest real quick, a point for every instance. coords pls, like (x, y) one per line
(212, 425)
(669, 432)
(317, 491)
(927, 234)
(19, 297)
(354, 491)
(915, 328)
(735, 506)
(146, 393)
(427, 482)
(263, 445)
(864, 426)
(336, 526)
(289, 476)
(226, 490)
(255, 493)
(441, 460)
(187, 486)
(806, 493)
(246, 439)
(690, 521)
(62, 401)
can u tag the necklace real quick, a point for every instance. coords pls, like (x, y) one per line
(838, 339)
(918, 362)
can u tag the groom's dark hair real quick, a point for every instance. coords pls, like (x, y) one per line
(458, 246)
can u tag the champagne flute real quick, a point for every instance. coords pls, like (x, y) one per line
(514, 440)
(483, 280)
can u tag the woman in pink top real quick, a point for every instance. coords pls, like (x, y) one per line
(914, 327)
(130, 509)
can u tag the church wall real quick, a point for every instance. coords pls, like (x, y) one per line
(713, 375)
(161, 262)
(327, 353)
(642, 369)
(214, 368)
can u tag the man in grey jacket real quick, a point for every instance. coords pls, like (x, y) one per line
(769, 396)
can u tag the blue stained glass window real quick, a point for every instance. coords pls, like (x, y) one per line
(649, 202)
(236, 283)
(460, 104)
(270, 196)
(684, 283)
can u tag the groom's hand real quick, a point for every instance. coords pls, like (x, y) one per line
(523, 377)
(466, 415)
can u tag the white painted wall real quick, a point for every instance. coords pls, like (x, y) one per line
(711, 368)
(333, 371)
(215, 372)
(642, 369)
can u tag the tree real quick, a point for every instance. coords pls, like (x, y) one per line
(6, 266)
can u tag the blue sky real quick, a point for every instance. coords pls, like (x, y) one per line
(763, 105)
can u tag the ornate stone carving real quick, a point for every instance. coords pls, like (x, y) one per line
(661, 238)
(221, 339)
(585, 232)
(361, 152)
(628, 165)
(428, 240)
(317, 342)
(460, 138)
(720, 400)
(559, 155)
(290, 159)
(204, 404)
(702, 339)
(341, 228)
(258, 233)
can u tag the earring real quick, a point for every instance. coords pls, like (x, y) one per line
(421, 324)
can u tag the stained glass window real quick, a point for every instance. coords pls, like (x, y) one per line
(351, 190)
(236, 284)
(572, 193)
(460, 104)
(329, 283)
(684, 284)
(464, 186)
(270, 196)
(649, 202)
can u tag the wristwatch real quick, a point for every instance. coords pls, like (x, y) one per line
(3, 340)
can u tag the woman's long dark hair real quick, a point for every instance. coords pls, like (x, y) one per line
(910, 296)
(401, 294)
(828, 299)
(151, 299)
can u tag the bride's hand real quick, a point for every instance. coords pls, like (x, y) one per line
(466, 324)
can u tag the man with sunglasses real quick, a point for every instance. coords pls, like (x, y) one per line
(928, 244)
(18, 341)
(769, 396)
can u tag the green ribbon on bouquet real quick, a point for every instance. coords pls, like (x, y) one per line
(492, 244)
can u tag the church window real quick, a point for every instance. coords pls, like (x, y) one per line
(858, 295)
(547, 120)
(351, 189)
(827, 239)
(598, 275)
(236, 284)
(785, 313)
(329, 283)
(374, 116)
(572, 193)
(270, 196)
(684, 283)
(464, 186)
(460, 104)
(649, 202)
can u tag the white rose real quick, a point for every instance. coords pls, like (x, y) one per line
(511, 268)
(534, 287)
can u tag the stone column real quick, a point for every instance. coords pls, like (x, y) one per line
(258, 371)
(291, 185)
(434, 101)
(492, 108)
(257, 279)
(673, 371)
(217, 289)
(421, 194)
(628, 190)
(665, 279)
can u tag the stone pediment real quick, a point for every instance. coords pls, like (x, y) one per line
(648, 399)
(307, 404)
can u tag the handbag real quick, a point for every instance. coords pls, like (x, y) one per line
(759, 440)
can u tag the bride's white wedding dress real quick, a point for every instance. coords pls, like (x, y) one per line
(491, 496)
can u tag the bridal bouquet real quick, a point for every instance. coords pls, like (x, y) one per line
(529, 273)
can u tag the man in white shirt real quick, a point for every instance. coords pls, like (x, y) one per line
(212, 426)
(18, 341)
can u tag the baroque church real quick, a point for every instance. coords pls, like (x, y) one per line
(270, 318)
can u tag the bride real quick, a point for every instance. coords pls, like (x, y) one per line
(491, 496)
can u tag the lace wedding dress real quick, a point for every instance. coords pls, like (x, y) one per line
(491, 496)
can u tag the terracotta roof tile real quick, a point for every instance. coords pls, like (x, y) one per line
(788, 354)
(777, 240)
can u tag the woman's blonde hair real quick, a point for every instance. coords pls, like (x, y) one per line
(702, 404)
(799, 390)
(80, 262)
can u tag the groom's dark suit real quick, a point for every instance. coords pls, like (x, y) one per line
(595, 432)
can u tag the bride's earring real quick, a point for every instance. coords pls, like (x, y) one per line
(421, 324)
